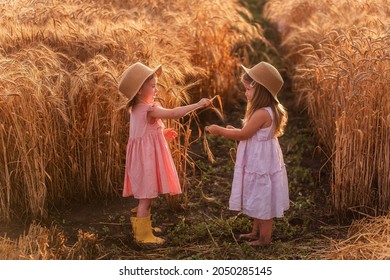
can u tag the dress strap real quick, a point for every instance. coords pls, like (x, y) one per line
(272, 129)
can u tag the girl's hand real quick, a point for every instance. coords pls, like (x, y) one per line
(204, 102)
(213, 129)
(230, 126)
(170, 134)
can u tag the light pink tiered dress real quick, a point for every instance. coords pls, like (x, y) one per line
(260, 186)
(150, 170)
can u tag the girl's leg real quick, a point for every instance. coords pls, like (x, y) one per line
(252, 235)
(143, 209)
(265, 230)
(142, 225)
(146, 205)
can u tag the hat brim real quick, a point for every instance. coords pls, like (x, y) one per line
(157, 71)
(126, 87)
(248, 71)
(245, 69)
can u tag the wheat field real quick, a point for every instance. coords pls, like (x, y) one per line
(63, 123)
(64, 126)
(339, 60)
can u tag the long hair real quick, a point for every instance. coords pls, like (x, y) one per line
(263, 98)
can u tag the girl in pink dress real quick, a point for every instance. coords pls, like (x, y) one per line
(150, 170)
(260, 187)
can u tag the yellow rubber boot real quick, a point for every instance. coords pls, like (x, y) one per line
(142, 229)
(134, 212)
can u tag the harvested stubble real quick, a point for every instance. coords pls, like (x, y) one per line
(42, 243)
(340, 65)
(64, 125)
(368, 239)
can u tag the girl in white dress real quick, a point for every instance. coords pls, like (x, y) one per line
(260, 187)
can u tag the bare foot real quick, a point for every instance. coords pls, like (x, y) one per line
(248, 236)
(258, 243)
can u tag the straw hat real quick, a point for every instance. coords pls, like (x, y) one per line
(134, 77)
(266, 75)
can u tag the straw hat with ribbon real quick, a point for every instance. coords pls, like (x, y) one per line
(134, 77)
(266, 75)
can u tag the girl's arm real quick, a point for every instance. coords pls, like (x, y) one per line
(259, 119)
(178, 112)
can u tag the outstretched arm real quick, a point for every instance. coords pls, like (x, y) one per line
(259, 119)
(178, 112)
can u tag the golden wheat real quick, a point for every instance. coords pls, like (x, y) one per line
(42, 243)
(339, 57)
(64, 124)
(368, 239)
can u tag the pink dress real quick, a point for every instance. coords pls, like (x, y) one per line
(260, 187)
(150, 170)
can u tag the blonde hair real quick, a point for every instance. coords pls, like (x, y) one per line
(263, 98)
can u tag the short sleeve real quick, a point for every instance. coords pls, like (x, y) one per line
(152, 107)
